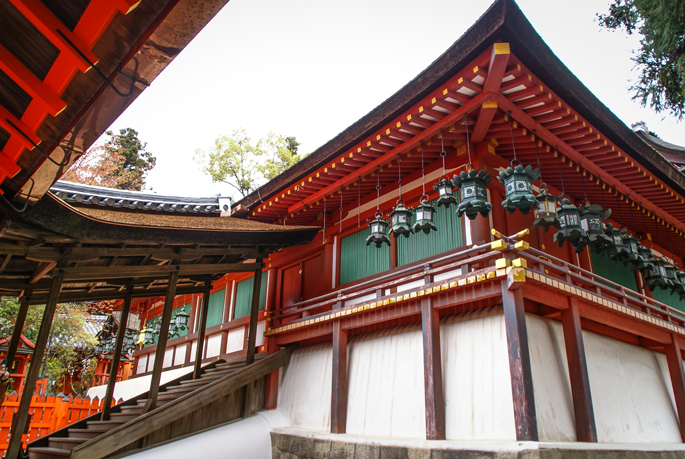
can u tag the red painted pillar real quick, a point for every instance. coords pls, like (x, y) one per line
(339, 379)
(675, 368)
(432, 372)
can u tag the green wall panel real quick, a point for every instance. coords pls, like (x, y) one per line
(417, 246)
(357, 260)
(216, 308)
(243, 297)
(616, 272)
(669, 298)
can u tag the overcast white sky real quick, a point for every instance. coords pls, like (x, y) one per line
(311, 68)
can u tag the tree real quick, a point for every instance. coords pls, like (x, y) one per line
(121, 162)
(67, 358)
(245, 166)
(661, 58)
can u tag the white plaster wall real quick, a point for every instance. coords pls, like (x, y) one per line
(236, 340)
(385, 384)
(630, 393)
(151, 361)
(476, 379)
(136, 386)
(142, 364)
(553, 399)
(193, 350)
(261, 326)
(168, 357)
(213, 346)
(180, 357)
(304, 393)
(360, 299)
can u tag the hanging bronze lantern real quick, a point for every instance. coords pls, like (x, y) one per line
(680, 285)
(645, 259)
(616, 249)
(473, 194)
(656, 275)
(518, 185)
(570, 229)
(379, 232)
(546, 210)
(400, 218)
(424, 218)
(592, 220)
(630, 247)
(445, 191)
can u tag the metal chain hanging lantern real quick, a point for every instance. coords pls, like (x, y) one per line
(424, 212)
(518, 182)
(444, 186)
(592, 219)
(182, 319)
(379, 227)
(546, 208)
(471, 184)
(400, 217)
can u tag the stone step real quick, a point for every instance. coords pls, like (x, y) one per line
(67, 443)
(48, 453)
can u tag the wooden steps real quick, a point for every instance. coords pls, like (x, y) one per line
(60, 447)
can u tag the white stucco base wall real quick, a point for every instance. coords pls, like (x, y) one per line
(136, 386)
(631, 389)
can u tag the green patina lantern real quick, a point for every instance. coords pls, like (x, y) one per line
(182, 319)
(645, 259)
(518, 185)
(424, 218)
(656, 275)
(445, 191)
(592, 220)
(400, 218)
(379, 232)
(631, 247)
(680, 285)
(570, 229)
(546, 210)
(616, 249)
(474, 199)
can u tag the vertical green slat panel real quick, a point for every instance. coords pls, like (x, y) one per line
(448, 237)
(615, 272)
(669, 298)
(243, 299)
(216, 308)
(358, 260)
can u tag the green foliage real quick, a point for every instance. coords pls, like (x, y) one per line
(235, 160)
(70, 344)
(661, 58)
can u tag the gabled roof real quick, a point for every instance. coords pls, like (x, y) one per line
(671, 152)
(502, 22)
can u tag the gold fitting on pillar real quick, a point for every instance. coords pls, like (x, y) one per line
(521, 245)
(519, 263)
(525, 232)
(502, 263)
(496, 233)
(498, 245)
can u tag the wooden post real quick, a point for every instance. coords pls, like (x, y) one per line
(121, 333)
(20, 422)
(161, 343)
(254, 315)
(252, 334)
(432, 372)
(519, 365)
(18, 329)
(586, 429)
(271, 383)
(201, 330)
(339, 378)
(675, 368)
(480, 230)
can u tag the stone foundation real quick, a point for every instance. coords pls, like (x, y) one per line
(305, 446)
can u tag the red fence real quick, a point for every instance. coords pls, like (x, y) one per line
(48, 413)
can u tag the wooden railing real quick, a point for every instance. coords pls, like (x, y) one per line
(149, 423)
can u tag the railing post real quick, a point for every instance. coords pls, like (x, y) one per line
(161, 343)
(252, 334)
(586, 429)
(523, 396)
(432, 367)
(116, 358)
(201, 331)
(339, 377)
(17, 331)
(675, 368)
(21, 421)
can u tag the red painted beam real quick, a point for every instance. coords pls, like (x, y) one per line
(485, 116)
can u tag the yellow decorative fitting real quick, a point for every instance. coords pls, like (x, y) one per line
(521, 245)
(496, 233)
(501, 48)
(519, 263)
(433, 100)
(525, 232)
(444, 287)
(491, 275)
(453, 284)
(475, 69)
(393, 300)
(517, 275)
(461, 282)
(421, 292)
(471, 280)
(412, 295)
(429, 291)
(480, 277)
(502, 263)
(460, 80)
(386, 302)
(421, 109)
(367, 306)
(498, 245)
(405, 296)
